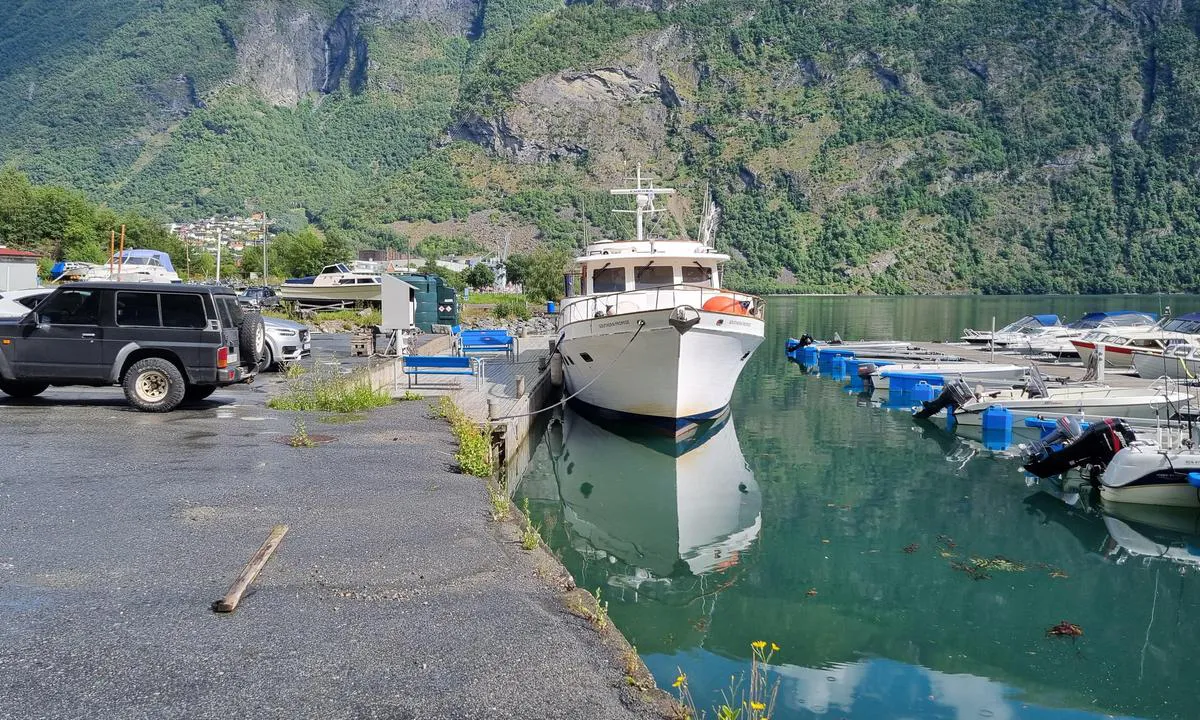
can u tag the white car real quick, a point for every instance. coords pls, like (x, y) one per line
(287, 342)
(17, 303)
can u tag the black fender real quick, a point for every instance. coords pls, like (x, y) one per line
(6, 371)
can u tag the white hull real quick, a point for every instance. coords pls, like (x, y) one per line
(967, 371)
(1154, 366)
(303, 291)
(1144, 475)
(1088, 406)
(662, 373)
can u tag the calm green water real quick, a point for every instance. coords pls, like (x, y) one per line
(790, 523)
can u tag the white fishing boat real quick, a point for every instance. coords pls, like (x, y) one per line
(1119, 346)
(1011, 332)
(1056, 341)
(152, 266)
(653, 335)
(1180, 362)
(1086, 403)
(969, 371)
(336, 282)
(1146, 474)
(650, 507)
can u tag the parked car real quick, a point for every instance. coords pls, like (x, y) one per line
(259, 296)
(18, 303)
(287, 342)
(163, 343)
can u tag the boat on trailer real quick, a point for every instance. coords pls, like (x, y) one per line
(653, 336)
(153, 266)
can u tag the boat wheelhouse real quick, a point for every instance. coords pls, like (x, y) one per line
(653, 334)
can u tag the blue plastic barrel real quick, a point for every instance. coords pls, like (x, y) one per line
(838, 367)
(551, 307)
(808, 355)
(905, 382)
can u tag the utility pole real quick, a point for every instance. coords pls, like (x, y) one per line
(219, 234)
(264, 241)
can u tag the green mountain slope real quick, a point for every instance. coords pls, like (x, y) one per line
(852, 145)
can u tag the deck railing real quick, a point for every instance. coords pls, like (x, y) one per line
(665, 297)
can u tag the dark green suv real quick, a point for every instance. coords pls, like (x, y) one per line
(163, 344)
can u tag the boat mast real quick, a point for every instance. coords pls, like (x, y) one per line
(645, 202)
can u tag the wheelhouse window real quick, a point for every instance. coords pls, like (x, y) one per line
(652, 276)
(608, 280)
(695, 275)
(138, 308)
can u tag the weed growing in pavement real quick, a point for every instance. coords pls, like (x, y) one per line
(499, 502)
(291, 371)
(530, 537)
(410, 395)
(754, 700)
(601, 620)
(300, 438)
(474, 456)
(325, 390)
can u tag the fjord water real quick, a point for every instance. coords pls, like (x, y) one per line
(853, 538)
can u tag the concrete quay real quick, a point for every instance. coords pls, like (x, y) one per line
(393, 595)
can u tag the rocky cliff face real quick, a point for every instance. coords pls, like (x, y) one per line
(288, 52)
(610, 114)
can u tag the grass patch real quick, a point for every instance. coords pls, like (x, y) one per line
(493, 298)
(514, 307)
(474, 456)
(342, 419)
(499, 502)
(321, 392)
(410, 395)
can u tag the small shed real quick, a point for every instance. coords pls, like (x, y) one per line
(18, 269)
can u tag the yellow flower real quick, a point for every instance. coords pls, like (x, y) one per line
(758, 644)
(774, 647)
(757, 706)
(679, 681)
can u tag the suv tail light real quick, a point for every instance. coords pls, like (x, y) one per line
(222, 358)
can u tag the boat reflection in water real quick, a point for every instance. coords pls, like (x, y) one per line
(647, 517)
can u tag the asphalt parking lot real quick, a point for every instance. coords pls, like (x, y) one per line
(392, 596)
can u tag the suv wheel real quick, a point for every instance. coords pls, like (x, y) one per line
(252, 338)
(19, 389)
(194, 393)
(154, 385)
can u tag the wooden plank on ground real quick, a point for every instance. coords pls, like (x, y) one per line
(230, 602)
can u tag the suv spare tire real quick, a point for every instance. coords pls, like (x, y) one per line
(252, 338)
(21, 389)
(154, 385)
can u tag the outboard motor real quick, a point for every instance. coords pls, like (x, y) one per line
(954, 395)
(1096, 447)
(792, 344)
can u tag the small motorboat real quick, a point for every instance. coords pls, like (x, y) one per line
(1147, 474)
(1119, 345)
(969, 371)
(335, 283)
(1085, 402)
(1180, 362)
(1013, 332)
(135, 266)
(1057, 341)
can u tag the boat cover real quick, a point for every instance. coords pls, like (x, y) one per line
(163, 258)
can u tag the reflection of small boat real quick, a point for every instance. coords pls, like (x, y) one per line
(335, 283)
(652, 507)
(1147, 532)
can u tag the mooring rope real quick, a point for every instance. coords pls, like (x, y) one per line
(641, 324)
